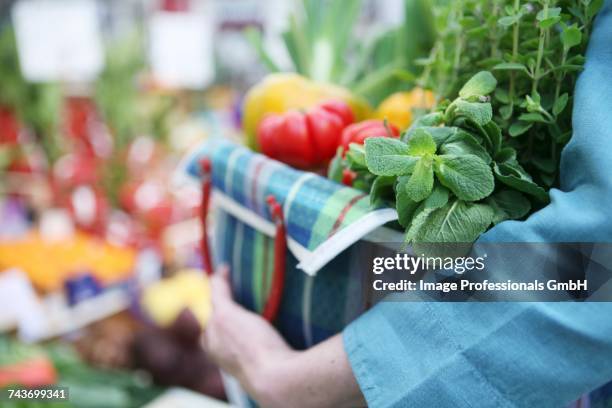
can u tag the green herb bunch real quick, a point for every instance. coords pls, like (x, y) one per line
(451, 176)
(535, 50)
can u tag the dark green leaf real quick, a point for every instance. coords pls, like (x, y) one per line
(532, 117)
(382, 190)
(506, 112)
(494, 135)
(519, 180)
(508, 205)
(403, 203)
(560, 104)
(518, 128)
(502, 96)
(511, 66)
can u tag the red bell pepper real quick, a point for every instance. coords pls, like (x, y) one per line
(9, 126)
(359, 132)
(34, 372)
(305, 140)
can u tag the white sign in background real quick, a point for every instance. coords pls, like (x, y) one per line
(181, 49)
(58, 40)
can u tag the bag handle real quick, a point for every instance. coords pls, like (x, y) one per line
(272, 305)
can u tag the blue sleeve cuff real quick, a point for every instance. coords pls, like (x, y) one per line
(480, 354)
(401, 355)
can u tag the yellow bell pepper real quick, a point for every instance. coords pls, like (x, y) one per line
(280, 92)
(397, 108)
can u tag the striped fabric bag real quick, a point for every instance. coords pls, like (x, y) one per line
(329, 232)
(332, 234)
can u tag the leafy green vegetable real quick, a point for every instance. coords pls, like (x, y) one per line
(388, 157)
(420, 184)
(457, 221)
(467, 176)
(534, 49)
(421, 143)
(450, 182)
(508, 205)
(483, 83)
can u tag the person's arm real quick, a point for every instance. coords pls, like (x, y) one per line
(246, 346)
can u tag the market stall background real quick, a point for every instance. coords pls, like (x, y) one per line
(99, 100)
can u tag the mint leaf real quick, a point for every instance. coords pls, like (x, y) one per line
(508, 205)
(457, 221)
(420, 184)
(388, 157)
(517, 178)
(461, 143)
(355, 157)
(495, 136)
(483, 83)
(405, 205)
(438, 197)
(430, 119)
(480, 113)
(421, 143)
(468, 176)
(334, 171)
(438, 134)
(382, 190)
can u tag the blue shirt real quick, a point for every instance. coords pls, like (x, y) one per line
(510, 354)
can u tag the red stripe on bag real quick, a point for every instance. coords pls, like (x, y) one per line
(343, 213)
(206, 168)
(280, 250)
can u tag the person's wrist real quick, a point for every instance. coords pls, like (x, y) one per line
(266, 375)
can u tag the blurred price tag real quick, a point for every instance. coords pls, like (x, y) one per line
(181, 49)
(58, 40)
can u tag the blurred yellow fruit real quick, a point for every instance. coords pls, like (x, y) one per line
(164, 300)
(397, 108)
(279, 92)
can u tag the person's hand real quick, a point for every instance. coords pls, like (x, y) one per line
(240, 341)
(246, 346)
